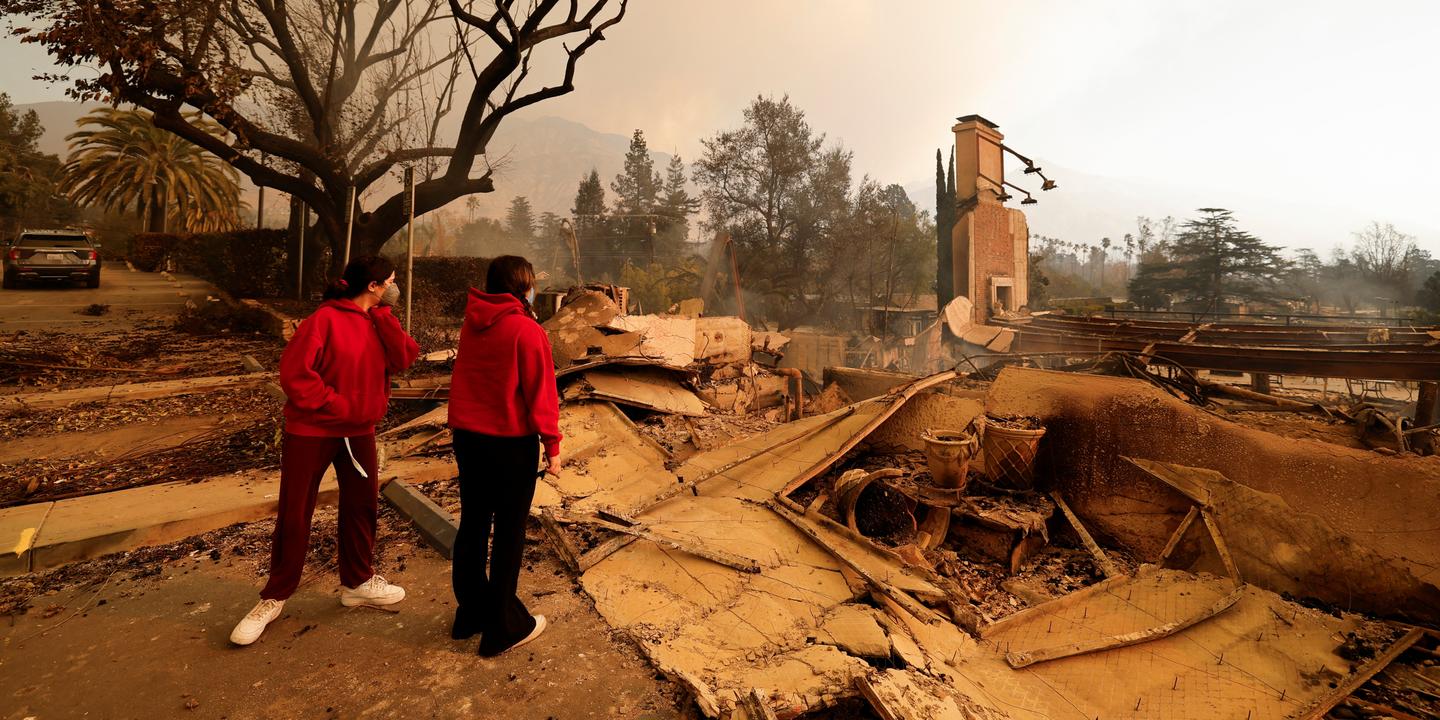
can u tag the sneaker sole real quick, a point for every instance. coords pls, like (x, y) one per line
(243, 643)
(353, 601)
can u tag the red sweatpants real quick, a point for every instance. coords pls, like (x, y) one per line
(302, 464)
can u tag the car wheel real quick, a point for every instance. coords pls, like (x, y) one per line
(10, 281)
(93, 281)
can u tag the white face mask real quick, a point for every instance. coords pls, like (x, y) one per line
(530, 296)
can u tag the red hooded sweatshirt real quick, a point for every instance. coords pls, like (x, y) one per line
(504, 379)
(336, 369)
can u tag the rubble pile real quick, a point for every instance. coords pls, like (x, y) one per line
(996, 542)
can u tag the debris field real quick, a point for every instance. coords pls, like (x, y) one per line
(1058, 534)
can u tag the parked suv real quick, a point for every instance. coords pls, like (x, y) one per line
(52, 255)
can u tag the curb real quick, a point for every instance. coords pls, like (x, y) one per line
(433, 522)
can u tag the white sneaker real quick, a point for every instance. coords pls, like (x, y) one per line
(375, 591)
(254, 622)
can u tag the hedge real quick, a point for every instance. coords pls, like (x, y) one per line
(442, 283)
(149, 250)
(243, 263)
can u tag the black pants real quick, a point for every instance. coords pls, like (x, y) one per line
(497, 483)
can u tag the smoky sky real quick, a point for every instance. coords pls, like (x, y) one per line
(1321, 115)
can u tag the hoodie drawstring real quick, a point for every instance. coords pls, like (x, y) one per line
(351, 452)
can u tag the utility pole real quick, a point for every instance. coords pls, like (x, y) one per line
(349, 223)
(260, 205)
(409, 244)
(300, 256)
(890, 266)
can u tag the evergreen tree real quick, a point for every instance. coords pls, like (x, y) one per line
(675, 208)
(590, 223)
(547, 228)
(637, 188)
(1430, 293)
(482, 237)
(1214, 260)
(520, 221)
(550, 249)
(637, 194)
(944, 227)
(1150, 287)
(589, 210)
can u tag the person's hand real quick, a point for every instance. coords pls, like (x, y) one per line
(552, 466)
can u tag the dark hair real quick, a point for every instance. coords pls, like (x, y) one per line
(358, 275)
(513, 275)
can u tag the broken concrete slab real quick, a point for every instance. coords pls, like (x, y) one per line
(1095, 422)
(608, 464)
(1262, 655)
(768, 342)
(723, 631)
(727, 341)
(645, 388)
(666, 340)
(129, 392)
(88, 527)
(1285, 550)
(854, 629)
(905, 650)
(574, 334)
(907, 695)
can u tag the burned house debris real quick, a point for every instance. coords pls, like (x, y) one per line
(1017, 515)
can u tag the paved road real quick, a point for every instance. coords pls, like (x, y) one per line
(133, 297)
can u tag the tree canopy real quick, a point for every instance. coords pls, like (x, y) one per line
(28, 178)
(1211, 260)
(120, 161)
(319, 97)
(802, 236)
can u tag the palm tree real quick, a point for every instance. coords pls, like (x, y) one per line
(120, 161)
(1104, 255)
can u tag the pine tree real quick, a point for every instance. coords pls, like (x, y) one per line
(589, 200)
(637, 193)
(944, 228)
(1429, 294)
(550, 248)
(547, 226)
(637, 188)
(1215, 260)
(590, 222)
(676, 206)
(520, 221)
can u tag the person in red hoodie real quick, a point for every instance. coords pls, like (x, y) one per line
(336, 375)
(503, 408)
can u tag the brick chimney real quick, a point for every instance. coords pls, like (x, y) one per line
(991, 243)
